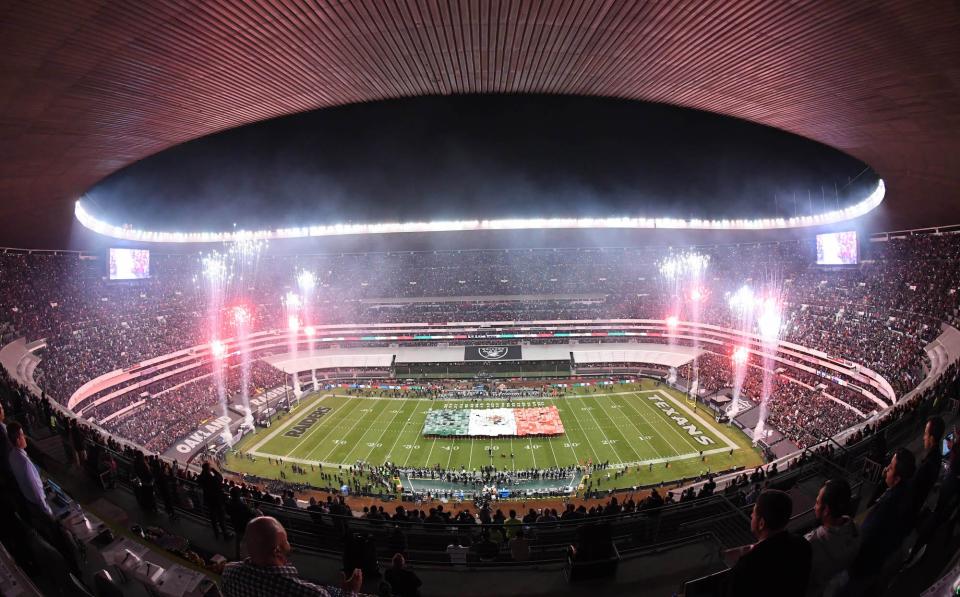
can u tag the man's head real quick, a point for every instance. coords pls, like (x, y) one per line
(15, 434)
(266, 541)
(513, 513)
(933, 433)
(771, 513)
(1, 412)
(833, 502)
(399, 562)
(901, 467)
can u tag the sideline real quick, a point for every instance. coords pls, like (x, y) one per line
(730, 445)
(698, 418)
(284, 425)
(686, 456)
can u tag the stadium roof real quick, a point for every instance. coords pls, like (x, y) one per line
(89, 87)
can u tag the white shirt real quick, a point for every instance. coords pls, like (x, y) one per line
(28, 478)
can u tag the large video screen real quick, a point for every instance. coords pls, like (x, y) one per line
(837, 248)
(129, 264)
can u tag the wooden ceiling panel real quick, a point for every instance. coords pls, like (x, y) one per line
(88, 86)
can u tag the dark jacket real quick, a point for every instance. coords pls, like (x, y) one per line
(884, 528)
(211, 483)
(927, 474)
(4, 448)
(240, 514)
(779, 565)
(403, 582)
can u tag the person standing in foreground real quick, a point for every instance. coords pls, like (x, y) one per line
(779, 562)
(211, 483)
(25, 472)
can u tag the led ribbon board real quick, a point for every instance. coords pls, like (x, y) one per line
(93, 222)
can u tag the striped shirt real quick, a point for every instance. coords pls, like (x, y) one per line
(244, 579)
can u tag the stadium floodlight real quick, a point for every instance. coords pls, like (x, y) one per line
(306, 280)
(291, 300)
(672, 322)
(740, 355)
(89, 220)
(218, 349)
(293, 323)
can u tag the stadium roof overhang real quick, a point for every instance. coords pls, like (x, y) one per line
(92, 86)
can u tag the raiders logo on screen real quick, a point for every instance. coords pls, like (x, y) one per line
(493, 352)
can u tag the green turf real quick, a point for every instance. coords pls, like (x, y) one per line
(621, 426)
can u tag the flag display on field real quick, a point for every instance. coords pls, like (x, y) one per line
(493, 422)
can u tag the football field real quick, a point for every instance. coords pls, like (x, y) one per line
(636, 427)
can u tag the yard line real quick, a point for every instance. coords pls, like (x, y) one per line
(281, 428)
(615, 453)
(556, 462)
(450, 455)
(654, 426)
(470, 460)
(356, 444)
(345, 435)
(722, 437)
(584, 431)
(382, 433)
(669, 424)
(576, 457)
(325, 425)
(392, 421)
(318, 426)
(417, 434)
(532, 451)
(633, 447)
(429, 454)
(400, 434)
(653, 445)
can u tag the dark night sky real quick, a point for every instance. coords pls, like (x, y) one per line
(478, 157)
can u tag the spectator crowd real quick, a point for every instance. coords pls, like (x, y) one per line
(879, 314)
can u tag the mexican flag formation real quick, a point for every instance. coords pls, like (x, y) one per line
(493, 422)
